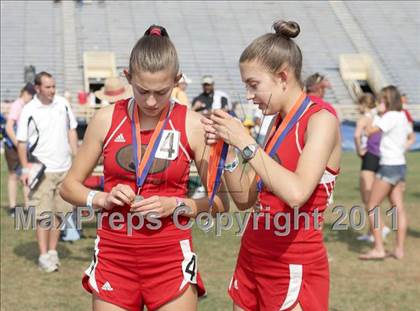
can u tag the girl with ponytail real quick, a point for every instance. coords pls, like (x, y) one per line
(146, 258)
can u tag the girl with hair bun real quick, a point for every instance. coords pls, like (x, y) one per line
(145, 258)
(282, 262)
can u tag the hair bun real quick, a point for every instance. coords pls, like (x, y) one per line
(288, 29)
(156, 30)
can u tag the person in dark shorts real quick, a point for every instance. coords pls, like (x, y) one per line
(368, 150)
(10, 143)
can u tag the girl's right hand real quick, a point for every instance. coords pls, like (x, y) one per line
(119, 195)
(210, 135)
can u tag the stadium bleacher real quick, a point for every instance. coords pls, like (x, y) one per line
(209, 37)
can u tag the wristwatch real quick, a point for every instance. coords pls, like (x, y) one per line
(249, 152)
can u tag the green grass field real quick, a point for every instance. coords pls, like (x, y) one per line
(355, 285)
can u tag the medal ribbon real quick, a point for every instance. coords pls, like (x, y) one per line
(144, 164)
(292, 117)
(217, 159)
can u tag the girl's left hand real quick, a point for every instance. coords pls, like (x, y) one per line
(230, 129)
(159, 205)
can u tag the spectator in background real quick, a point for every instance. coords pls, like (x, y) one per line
(2, 130)
(204, 103)
(397, 137)
(262, 123)
(10, 147)
(113, 90)
(404, 101)
(49, 118)
(232, 111)
(367, 148)
(315, 86)
(250, 126)
(67, 96)
(210, 98)
(179, 91)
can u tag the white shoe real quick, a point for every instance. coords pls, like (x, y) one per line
(54, 257)
(199, 193)
(365, 237)
(385, 231)
(45, 264)
(369, 238)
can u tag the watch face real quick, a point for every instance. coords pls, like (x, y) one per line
(247, 152)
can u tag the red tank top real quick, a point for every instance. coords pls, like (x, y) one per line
(165, 178)
(288, 156)
(300, 243)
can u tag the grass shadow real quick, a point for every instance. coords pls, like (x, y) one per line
(30, 251)
(413, 233)
(348, 236)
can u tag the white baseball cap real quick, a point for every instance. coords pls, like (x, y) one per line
(184, 79)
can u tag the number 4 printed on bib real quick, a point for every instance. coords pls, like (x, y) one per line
(189, 264)
(169, 145)
(189, 267)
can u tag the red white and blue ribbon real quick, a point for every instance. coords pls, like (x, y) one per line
(217, 159)
(291, 118)
(144, 164)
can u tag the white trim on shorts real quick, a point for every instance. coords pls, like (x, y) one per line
(90, 272)
(188, 255)
(294, 286)
(328, 180)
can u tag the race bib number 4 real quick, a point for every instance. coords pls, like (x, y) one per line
(189, 267)
(169, 145)
(189, 264)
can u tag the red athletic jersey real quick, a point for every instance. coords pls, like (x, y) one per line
(288, 156)
(165, 178)
(289, 246)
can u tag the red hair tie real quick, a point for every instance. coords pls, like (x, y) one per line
(156, 32)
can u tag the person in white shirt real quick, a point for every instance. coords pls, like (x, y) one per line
(263, 123)
(48, 126)
(210, 98)
(397, 137)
